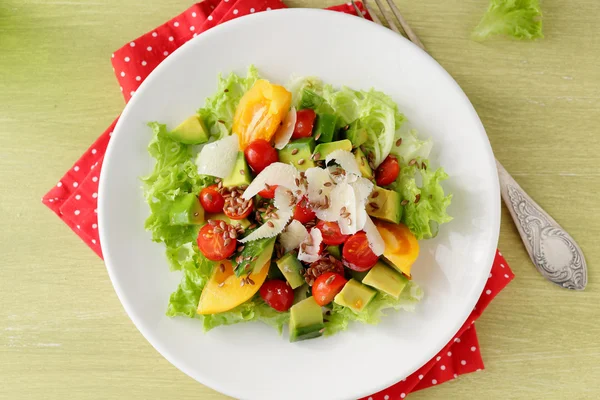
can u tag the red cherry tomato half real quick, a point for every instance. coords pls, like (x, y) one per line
(277, 294)
(268, 193)
(327, 286)
(260, 154)
(388, 171)
(303, 214)
(238, 212)
(212, 244)
(212, 201)
(305, 119)
(332, 236)
(357, 254)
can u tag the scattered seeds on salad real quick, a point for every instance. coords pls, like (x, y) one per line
(294, 152)
(398, 142)
(375, 195)
(301, 161)
(271, 225)
(412, 162)
(417, 198)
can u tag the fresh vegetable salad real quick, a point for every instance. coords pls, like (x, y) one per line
(299, 205)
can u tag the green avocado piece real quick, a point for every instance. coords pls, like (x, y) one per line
(324, 149)
(335, 251)
(244, 223)
(325, 131)
(191, 131)
(240, 175)
(301, 293)
(298, 153)
(306, 320)
(355, 296)
(385, 204)
(386, 279)
(187, 210)
(355, 133)
(292, 269)
(363, 164)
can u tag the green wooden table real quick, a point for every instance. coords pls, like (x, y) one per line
(63, 332)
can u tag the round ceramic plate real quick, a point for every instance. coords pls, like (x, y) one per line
(251, 361)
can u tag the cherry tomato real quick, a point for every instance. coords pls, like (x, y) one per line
(327, 286)
(305, 119)
(260, 154)
(239, 212)
(332, 236)
(388, 171)
(212, 244)
(268, 193)
(357, 254)
(277, 294)
(303, 214)
(212, 201)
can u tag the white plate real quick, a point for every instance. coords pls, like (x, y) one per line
(251, 361)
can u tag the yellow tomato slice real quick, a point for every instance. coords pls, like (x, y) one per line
(224, 290)
(260, 112)
(401, 246)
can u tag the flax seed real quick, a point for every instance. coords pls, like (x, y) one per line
(222, 267)
(270, 224)
(398, 142)
(294, 152)
(317, 156)
(221, 284)
(375, 195)
(404, 202)
(374, 205)
(412, 162)
(417, 198)
(212, 222)
(301, 161)
(327, 184)
(318, 136)
(226, 242)
(329, 280)
(297, 181)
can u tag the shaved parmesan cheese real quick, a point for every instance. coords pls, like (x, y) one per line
(320, 184)
(293, 236)
(362, 190)
(284, 199)
(310, 252)
(218, 158)
(275, 174)
(267, 230)
(344, 159)
(376, 242)
(285, 130)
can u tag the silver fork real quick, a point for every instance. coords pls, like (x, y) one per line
(553, 251)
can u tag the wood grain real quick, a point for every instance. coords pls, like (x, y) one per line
(63, 332)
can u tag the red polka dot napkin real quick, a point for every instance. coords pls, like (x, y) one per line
(74, 198)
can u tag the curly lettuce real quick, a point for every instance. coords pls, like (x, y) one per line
(219, 109)
(520, 19)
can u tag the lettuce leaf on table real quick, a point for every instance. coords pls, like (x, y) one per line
(521, 19)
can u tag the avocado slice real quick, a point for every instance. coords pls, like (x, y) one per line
(244, 223)
(240, 175)
(385, 204)
(356, 134)
(191, 131)
(260, 251)
(335, 251)
(355, 296)
(301, 293)
(386, 279)
(324, 149)
(325, 131)
(306, 320)
(363, 164)
(292, 269)
(187, 210)
(298, 153)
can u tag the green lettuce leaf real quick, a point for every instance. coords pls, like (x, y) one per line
(521, 19)
(252, 310)
(196, 272)
(219, 109)
(340, 317)
(174, 175)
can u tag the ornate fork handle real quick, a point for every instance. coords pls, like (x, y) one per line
(553, 251)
